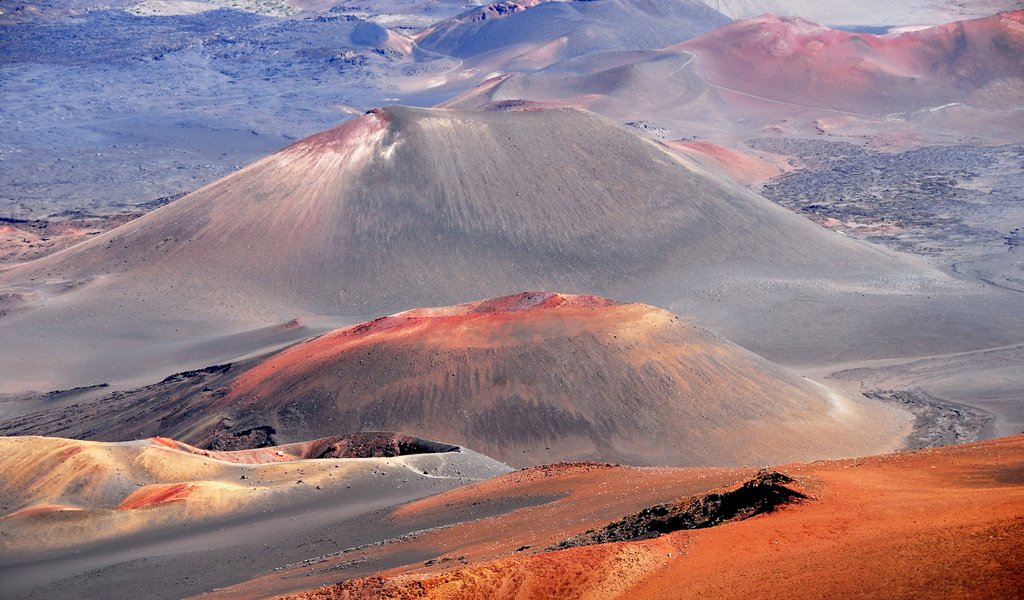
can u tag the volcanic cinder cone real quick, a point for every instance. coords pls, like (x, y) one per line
(425, 207)
(792, 60)
(528, 379)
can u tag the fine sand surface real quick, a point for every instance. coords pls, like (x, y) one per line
(71, 508)
(527, 379)
(427, 207)
(938, 523)
(744, 167)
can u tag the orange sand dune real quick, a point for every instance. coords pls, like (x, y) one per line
(941, 523)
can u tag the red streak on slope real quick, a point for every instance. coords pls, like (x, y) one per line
(168, 442)
(157, 494)
(744, 168)
(67, 453)
(39, 509)
(471, 318)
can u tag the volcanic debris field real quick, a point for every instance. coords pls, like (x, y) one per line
(959, 204)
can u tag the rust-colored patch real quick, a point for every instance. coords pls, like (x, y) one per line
(165, 442)
(341, 138)
(154, 495)
(448, 319)
(928, 524)
(23, 240)
(742, 167)
(567, 361)
(68, 452)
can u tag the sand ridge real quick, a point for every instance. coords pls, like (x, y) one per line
(60, 492)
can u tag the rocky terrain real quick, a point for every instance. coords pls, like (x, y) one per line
(762, 494)
(22, 240)
(959, 204)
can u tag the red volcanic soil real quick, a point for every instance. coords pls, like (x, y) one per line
(39, 509)
(515, 303)
(940, 523)
(527, 379)
(536, 377)
(744, 168)
(343, 139)
(157, 494)
(521, 512)
(791, 60)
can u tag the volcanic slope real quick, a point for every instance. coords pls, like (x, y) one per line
(71, 506)
(936, 524)
(425, 207)
(753, 75)
(533, 34)
(527, 379)
(979, 61)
